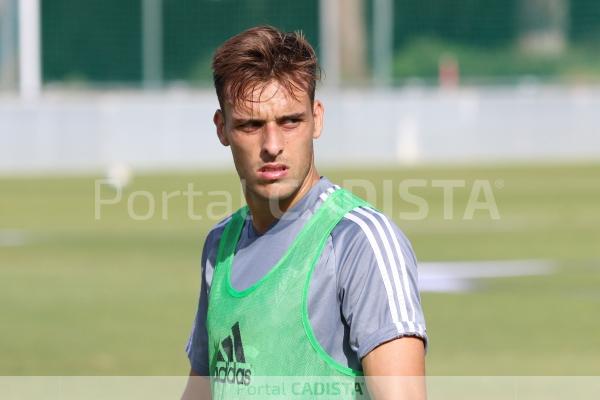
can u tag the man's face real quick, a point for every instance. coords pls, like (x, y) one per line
(271, 140)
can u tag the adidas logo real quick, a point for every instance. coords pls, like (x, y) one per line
(231, 362)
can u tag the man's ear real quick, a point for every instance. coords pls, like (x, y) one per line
(318, 111)
(219, 120)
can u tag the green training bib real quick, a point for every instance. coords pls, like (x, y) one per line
(261, 343)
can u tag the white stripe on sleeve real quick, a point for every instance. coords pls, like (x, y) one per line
(382, 269)
(403, 268)
(400, 293)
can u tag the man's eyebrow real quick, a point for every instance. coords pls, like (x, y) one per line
(298, 115)
(241, 120)
(246, 120)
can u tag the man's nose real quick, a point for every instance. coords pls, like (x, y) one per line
(272, 144)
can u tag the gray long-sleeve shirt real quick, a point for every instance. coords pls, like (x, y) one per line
(363, 291)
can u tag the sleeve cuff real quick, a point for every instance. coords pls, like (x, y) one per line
(390, 332)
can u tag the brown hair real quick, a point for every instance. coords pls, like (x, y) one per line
(261, 54)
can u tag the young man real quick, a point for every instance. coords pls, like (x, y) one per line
(307, 279)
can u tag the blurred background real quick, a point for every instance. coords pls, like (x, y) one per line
(103, 100)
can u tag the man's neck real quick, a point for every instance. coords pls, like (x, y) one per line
(265, 212)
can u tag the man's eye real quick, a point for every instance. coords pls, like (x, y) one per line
(291, 122)
(249, 126)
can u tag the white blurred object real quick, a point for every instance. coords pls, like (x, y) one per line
(30, 69)
(462, 276)
(119, 175)
(407, 140)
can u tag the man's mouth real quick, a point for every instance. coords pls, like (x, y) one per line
(273, 171)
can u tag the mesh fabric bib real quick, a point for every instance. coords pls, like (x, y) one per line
(264, 332)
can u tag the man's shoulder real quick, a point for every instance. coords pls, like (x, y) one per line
(371, 234)
(366, 221)
(211, 244)
(366, 225)
(214, 234)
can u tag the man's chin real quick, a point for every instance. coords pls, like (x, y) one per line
(275, 191)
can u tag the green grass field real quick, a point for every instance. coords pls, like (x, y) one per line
(117, 296)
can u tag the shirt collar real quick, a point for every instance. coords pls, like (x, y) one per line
(302, 209)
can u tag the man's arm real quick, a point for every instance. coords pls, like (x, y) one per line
(197, 388)
(378, 289)
(198, 385)
(396, 370)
